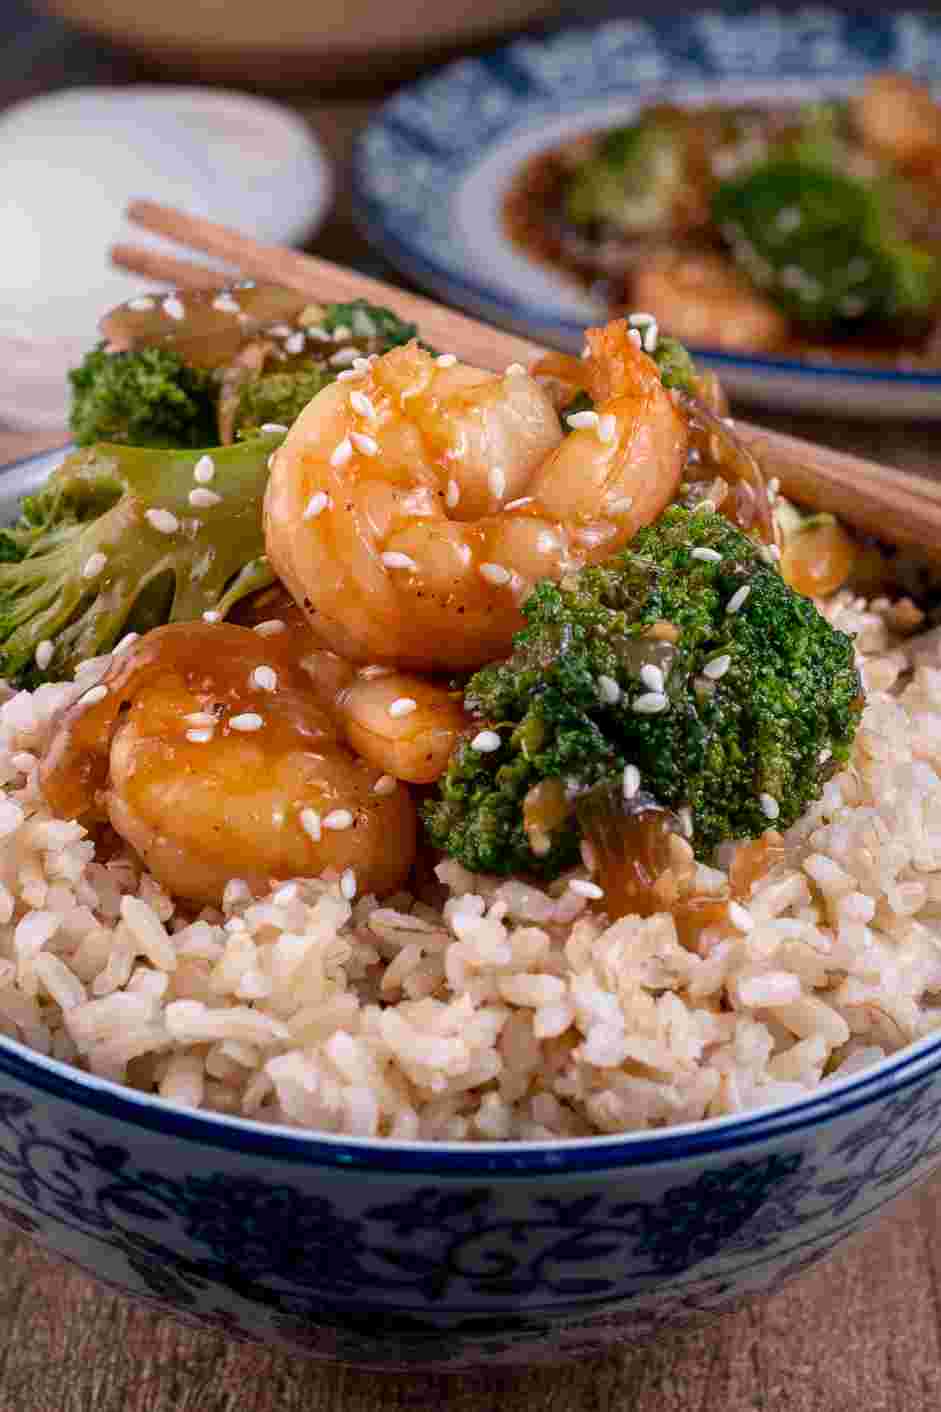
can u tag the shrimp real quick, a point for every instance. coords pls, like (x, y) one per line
(899, 118)
(701, 299)
(414, 744)
(208, 752)
(411, 510)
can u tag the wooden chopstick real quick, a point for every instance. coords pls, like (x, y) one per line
(154, 264)
(880, 500)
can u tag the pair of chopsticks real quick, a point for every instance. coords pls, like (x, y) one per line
(899, 508)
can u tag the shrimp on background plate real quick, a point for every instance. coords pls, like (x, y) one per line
(415, 504)
(209, 752)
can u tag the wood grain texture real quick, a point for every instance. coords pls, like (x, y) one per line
(861, 1333)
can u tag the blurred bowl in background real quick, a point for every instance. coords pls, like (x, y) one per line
(282, 40)
(72, 160)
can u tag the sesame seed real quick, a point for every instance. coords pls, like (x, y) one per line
(394, 560)
(708, 556)
(631, 781)
(650, 703)
(740, 917)
(366, 445)
(173, 307)
(738, 598)
(496, 480)
(338, 820)
(621, 506)
(295, 344)
(310, 822)
(343, 358)
(607, 428)
(685, 816)
(142, 304)
(402, 706)
(247, 721)
(200, 718)
(515, 370)
(718, 667)
(518, 504)
(652, 677)
(270, 627)
(315, 505)
(341, 452)
(94, 565)
(486, 742)
(350, 374)
(204, 470)
(452, 495)
(446, 360)
(96, 694)
(44, 654)
(583, 888)
(203, 499)
(769, 806)
(265, 678)
(495, 574)
(225, 304)
(362, 405)
(163, 521)
(583, 421)
(212, 616)
(200, 736)
(608, 690)
(385, 784)
(348, 884)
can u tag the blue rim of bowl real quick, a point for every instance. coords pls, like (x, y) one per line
(911, 1065)
(379, 229)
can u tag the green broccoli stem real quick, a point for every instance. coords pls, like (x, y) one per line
(113, 543)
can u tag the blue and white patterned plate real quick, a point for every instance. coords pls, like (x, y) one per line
(432, 168)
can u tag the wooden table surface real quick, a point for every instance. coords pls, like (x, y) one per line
(860, 1334)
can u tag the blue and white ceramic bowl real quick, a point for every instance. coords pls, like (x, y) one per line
(419, 1255)
(433, 167)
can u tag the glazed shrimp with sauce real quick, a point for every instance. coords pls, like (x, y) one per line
(415, 503)
(413, 742)
(211, 754)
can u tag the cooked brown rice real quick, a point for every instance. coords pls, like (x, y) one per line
(510, 1011)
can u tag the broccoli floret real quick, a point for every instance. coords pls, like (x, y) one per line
(279, 397)
(677, 368)
(365, 320)
(112, 544)
(738, 742)
(635, 177)
(147, 397)
(822, 245)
